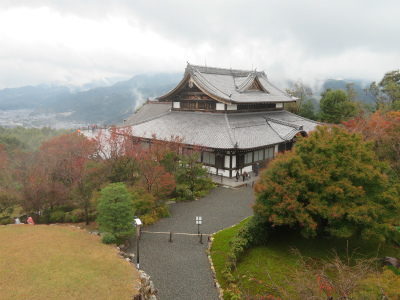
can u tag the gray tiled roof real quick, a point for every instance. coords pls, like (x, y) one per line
(230, 86)
(219, 131)
(148, 112)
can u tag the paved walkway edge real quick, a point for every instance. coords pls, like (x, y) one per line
(216, 283)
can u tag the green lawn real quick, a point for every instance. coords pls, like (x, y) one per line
(279, 259)
(54, 262)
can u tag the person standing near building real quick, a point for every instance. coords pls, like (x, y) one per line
(244, 175)
(237, 175)
(256, 169)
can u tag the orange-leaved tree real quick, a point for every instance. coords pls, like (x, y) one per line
(331, 183)
(383, 128)
(41, 189)
(119, 149)
(75, 162)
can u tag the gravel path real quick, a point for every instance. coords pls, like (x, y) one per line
(180, 270)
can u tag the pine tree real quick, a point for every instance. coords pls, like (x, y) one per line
(115, 209)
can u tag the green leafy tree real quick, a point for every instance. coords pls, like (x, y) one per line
(335, 107)
(191, 176)
(115, 210)
(386, 93)
(307, 110)
(331, 183)
(303, 92)
(8, 192)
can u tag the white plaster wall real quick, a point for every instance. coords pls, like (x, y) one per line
(276, 150)
(231, 107)
(227, 161)
(248, 169)
(279, 105)
(225, 173)
(220, 106)
(177, 105)
(234, 161)
(212, 170)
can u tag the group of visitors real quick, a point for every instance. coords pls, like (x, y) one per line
(28, 221)
(256, 169)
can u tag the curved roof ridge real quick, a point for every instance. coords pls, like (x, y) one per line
(219, 71)
(287, 94)
(228, 125)
(185, 76)
(246, 83)
(291, 134)
(286, 123)
(148, 118)
(208, 86)
(273, 128)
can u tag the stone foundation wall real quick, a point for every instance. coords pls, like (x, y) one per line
(146, 289)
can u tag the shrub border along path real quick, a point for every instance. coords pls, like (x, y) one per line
(180, 270)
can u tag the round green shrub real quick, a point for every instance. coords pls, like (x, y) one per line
(163, 211)
(188, 194)
(68, 217)
(43, 219)
(109, 238)
(93, 215)
(57, 217)
(6, 221)
(78, 215)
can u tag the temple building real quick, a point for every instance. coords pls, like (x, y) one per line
(236, 116)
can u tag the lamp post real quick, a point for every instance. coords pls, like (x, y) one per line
(198, 222)
(137, 224)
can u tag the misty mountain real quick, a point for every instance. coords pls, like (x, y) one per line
(100, 105)
(358, 86)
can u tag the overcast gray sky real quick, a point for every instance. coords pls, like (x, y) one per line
(78, 41)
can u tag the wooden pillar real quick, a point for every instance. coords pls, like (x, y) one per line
(230, 164)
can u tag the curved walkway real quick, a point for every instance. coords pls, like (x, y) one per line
(180, 270)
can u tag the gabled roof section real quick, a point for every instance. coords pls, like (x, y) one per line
(232, 86)
(250, 81)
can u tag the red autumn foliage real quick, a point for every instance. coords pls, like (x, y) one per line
(383, 128)
(74, 162)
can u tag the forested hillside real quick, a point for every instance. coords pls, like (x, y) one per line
(101, 105)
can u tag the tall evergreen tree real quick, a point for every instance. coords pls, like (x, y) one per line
(115, 210)
(335, 107)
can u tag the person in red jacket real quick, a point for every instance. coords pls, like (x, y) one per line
(30, 220)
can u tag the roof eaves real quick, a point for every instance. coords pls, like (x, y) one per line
(207, 87)
(185, 77)
(287, 94)
(298, 127)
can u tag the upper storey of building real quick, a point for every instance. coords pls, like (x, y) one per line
(219, 90)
